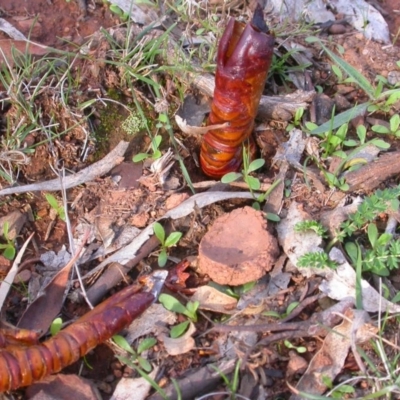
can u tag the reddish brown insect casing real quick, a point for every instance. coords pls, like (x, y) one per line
(243, 59)
(22, 366)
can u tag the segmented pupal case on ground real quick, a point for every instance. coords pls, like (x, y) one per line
(243, 59)
(21, 366)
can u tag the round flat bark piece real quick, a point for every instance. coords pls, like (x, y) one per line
(238, 249)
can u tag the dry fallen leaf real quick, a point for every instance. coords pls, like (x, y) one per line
(180, 345)
(212, 299)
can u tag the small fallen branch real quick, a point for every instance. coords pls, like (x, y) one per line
(88, 174)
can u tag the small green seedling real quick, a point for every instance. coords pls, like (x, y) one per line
(231, 384)
(339, 392)
(59, 209)
(299, 349)
(56, 326)
(288, 311)
(252, 182)
(383, 255)
(296, 120)
(317, 259)
(163, 122)
(311, 225)
(118, 11)
(8, 247)
(173, 304)
(154, 147)
(393, 129)
(135, 355)
(248, 168)
(166, 243)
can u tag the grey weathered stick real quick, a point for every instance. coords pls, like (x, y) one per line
(95, 170)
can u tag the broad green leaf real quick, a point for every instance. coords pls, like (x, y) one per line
(396, 298)
(340, 119)
(291, 307)
(352, 251)
(162, 258)
(144, 364)
(340, 154)
(394, 122)
(191, 310)
(140, 157)
(380, 129)
(55, 326)
(146, 344)
(159, 232)
(311, 126)
(6, 227)
(171, 303)
(52, 201)
(350, 143)
(116, 10)
(361, 133)
(273, 217)
(273, 314)
(178, 330)
(372, 234)
(156, 155)
(346, 389)
(173, 239)
(342, 131)
(248, 286)
(253, 183)
(230, 177)
(380, 144)
(344, 187)
(384, 239)
(337, 71)
(301, 349)
(163, 118)
(256, 164)
(157, 141)
(393, 98)
(9, 252)
(122, 342)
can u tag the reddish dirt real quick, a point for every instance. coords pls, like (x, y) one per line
(392, 8)
(57, 23)
(240, 256)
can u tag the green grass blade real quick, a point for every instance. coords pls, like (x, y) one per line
(359, 78)
(340, 119)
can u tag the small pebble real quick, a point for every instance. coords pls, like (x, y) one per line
(117, 373)
(24, 276)
(337, 29)
(109, 378)
(393, 77)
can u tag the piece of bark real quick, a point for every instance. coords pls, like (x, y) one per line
(95, 170)
(371, 175)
